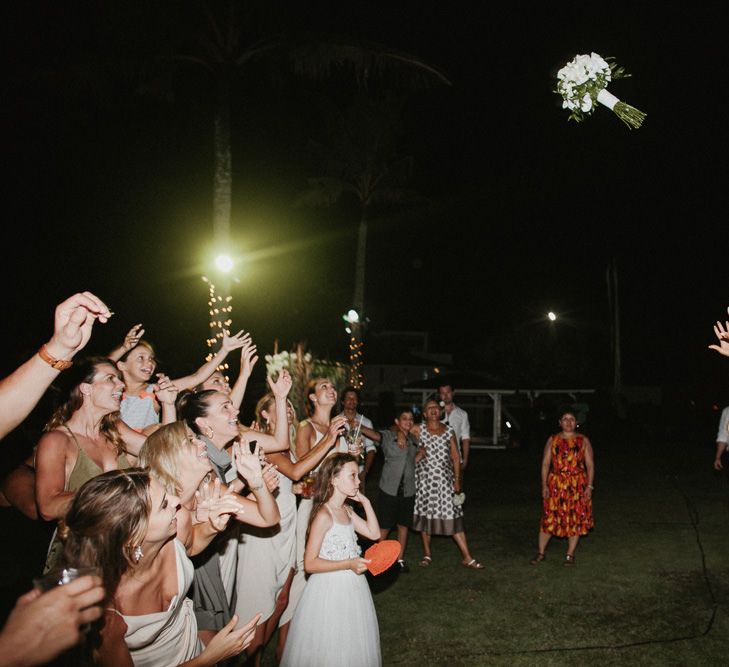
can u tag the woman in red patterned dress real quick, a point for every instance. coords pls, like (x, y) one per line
(568, 470)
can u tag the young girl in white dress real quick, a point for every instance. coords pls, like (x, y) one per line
(335, 623)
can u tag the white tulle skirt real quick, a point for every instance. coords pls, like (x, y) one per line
(335, 624)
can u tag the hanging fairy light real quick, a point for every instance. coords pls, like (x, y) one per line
(219, 311)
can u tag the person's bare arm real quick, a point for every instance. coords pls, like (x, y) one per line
(720, 449)
(23, 388)
(456, 460)
(50, 476)
(229, 344)
(312, 563)
(590, 466)
(370, 526)
(546, 463)
(248, 359)
(134, 335)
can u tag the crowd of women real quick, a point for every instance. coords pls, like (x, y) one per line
(201, 548)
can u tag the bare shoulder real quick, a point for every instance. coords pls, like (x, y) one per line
(55, 440)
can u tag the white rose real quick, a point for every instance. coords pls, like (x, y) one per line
(586, 102)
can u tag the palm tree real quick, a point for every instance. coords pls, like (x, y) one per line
(361, 160)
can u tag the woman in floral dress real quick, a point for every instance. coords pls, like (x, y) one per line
(435, 483)
(568, 470)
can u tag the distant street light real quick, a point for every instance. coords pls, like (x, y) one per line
(551, 316)
(352, 317)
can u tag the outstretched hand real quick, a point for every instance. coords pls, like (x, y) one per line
(134, 335)
(235, 341)
(721, 331)
(248, 356)
(214, 506)
(246, 463)
(282, 386)
(73, 321)
(164, 390)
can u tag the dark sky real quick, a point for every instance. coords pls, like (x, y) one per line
(108, 186)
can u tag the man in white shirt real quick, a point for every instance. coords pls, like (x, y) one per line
(350, 402)
(722, 440)
(458, 419)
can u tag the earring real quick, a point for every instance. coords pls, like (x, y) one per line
(137, 554)
(211, 433)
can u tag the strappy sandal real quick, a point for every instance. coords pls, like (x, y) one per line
(427, 560)
(473, 564)
(569, 560)
(537, 559)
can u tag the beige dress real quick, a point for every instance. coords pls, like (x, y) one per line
(166, 637)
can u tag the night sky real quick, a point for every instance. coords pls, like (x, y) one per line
(108, 185)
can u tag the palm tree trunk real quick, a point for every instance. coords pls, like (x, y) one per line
(223, 177)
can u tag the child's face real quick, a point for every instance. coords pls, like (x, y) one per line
(346, 481)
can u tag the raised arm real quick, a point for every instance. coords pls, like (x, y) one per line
(369, 527)
(229, 344)
(370, 433)
(721, 331)
(21, 390)
(295, 471)
(134, 335)
(264, 511)
(248, 359)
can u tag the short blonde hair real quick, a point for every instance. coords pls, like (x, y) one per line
(161, 454)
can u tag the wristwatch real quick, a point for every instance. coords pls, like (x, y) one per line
(58, 364)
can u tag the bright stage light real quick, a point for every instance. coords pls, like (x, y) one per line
(551, 316)
(224, 263)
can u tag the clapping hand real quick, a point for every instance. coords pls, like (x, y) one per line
(214, 506)
(282, 386)
(722, 335)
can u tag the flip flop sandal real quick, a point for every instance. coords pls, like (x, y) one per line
(473, 564)
(427, 560)
(537, 559)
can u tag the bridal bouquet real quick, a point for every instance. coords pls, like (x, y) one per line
(582, 83)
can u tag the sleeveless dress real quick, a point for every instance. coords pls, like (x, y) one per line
(335, 624)
(302, 525)
(435, 512)
(138, 412)
(266, 557)
(167, 637)
(83, 470)
(566, 512)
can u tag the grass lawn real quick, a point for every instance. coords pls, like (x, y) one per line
(650, 587)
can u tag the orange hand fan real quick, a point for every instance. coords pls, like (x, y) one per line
(382, 555)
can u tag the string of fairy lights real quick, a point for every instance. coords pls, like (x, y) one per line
(219, 311)
(356, 363)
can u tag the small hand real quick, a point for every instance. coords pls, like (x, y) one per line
(229, 641)
(588, 493)
(545, 492)
(358, 565)
(359, 497)
(134, 335)
(282, 386)
(164, 390)
(718, 465)
(336, 427)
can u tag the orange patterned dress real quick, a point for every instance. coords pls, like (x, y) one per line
(566, 512)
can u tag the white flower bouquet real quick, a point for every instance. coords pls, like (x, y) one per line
(459, 499)
(582, 83)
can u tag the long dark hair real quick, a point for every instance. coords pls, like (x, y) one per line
(323, 488)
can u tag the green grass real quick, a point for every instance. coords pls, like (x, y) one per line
(639, 594)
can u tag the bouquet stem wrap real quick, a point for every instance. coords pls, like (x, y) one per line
(631, 116)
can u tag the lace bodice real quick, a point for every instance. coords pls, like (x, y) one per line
(340, 543)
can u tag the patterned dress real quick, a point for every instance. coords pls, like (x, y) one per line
(566, 512)
(435, 512)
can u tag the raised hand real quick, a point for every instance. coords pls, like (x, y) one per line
(246, 463)
(337, 426)
(248, 356)
(282, 386)
(164, 390)
(721, 331)
(235, 341)
(134, 335)
(73, 321)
